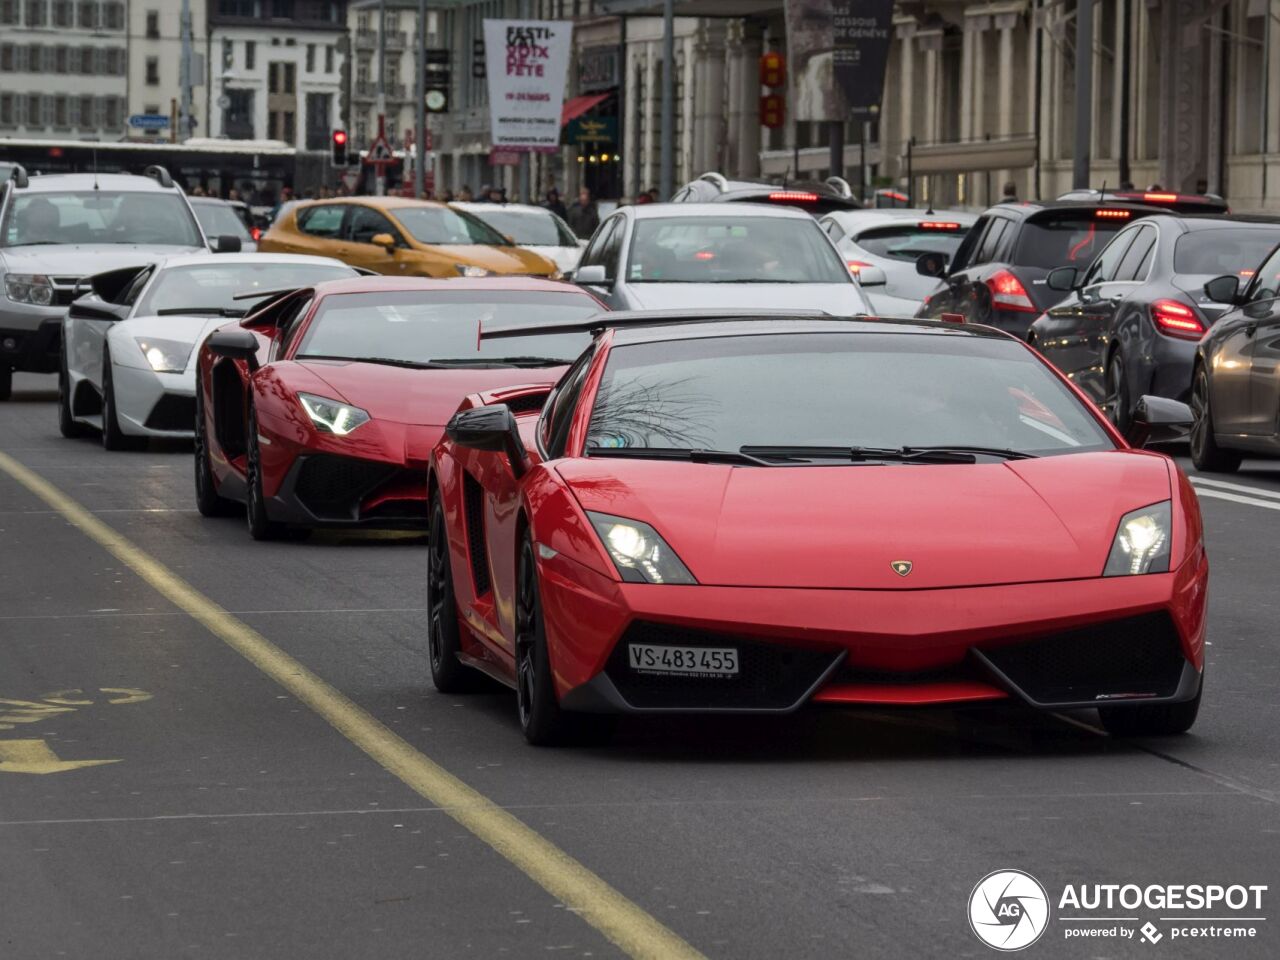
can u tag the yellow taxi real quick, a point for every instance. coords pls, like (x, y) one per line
(400, 237)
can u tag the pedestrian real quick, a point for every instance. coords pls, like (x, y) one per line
(286, 195)
(654, 195)
(1127, 185)
(447, 197)
(1202, 187)
(465, 195)
(233, 195)
(197, 191)
(584, 216)
(643, 198)
(555, 204)
(1010, 192)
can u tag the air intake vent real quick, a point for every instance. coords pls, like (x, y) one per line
(473, 504)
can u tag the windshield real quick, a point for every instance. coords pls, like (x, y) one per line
(907, 242)
(707, 249)
(530, 228)
(421, 327)
(213, 286)
(1065, 239)
(443, 225)
(1234, 250)
(837, 389)
(157, 219)
(220, 220)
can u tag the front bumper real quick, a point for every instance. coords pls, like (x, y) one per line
(150, 404)
(1058, 645)
(32, 344)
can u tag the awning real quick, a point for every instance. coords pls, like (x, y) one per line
(575, 107)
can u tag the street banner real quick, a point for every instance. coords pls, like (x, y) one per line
(526, 63)
(838, 51)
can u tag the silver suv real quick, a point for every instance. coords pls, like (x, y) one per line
(56, 230)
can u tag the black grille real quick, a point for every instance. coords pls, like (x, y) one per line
(473, 503)
(173, 412)
(527, 403)
(771, 676)
(1136, 655)
(332, 487)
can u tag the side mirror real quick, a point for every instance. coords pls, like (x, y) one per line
(93, 307)
(490, 428)
(235, 344)
(1062, 279)
(227, 243)
(1224, 289)
(384, 240)
(1158, 420)
(593, 275)
(931, 265)
(872, 277)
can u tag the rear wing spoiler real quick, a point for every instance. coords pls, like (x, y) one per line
(600, 322)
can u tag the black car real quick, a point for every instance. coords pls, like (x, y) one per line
(815, 198)
(997, 276)
(1235, 383)
(1130, 322)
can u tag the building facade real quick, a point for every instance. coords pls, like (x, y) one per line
(155, 66)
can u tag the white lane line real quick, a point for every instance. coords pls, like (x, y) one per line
(1235, 498)
(1236, 487)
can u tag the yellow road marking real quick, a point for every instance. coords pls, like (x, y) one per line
(624, 923)
(126, 694)
(27, 711)
(36, 756)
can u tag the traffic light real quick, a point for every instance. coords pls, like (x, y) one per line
(339, 148)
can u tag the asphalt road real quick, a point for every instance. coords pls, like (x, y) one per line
(243, 813)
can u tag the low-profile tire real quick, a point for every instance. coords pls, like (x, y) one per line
(1153, 720)
(6, 382)
(261, 526)
(113, 438)
(444, 631)
(1205, 452)
(1118, 403)
(208, 502)
(542, 720)
(68, 426)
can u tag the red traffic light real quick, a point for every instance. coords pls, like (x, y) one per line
(340, 137)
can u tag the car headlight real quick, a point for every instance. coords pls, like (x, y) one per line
(471, 270)
(165, 356)
(1142, 542)
(33, 288)
(330, 416)
(639, 553)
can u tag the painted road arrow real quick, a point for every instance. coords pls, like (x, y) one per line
(36, 756)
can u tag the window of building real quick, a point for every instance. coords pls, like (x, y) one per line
(88, 15)
(290, 78)
(113, 15)
(228, 54)
(87, 61)
(61, 116)
(282, 9)
(37, 15)
(35, 110)
(7, 118)
(153, 24)
(35, 58)
(64, 13)
(60, 59)
(283, 126)
(250, 55)
(328, 58)
(153, 71)
(88, 113)
(115, 61)
(112, 112)
(238, 8)
(311, 58)
(319, 106)
(9, 14)
(8, 59)
(237, 118)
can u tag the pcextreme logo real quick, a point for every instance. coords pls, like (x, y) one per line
(1008, 910)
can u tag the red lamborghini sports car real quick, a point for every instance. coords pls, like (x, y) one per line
(757, 514)
(321, 407)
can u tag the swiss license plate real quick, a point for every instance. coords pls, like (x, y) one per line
(693, 661)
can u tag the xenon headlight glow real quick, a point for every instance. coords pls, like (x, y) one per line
(33, 288)
(164, 356)
(471, 270)
(639, 553)
(330, 416)
(1141, 544)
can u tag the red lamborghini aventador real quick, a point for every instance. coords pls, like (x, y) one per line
(755, 515)
(321, 408)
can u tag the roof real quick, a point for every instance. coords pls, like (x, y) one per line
(409, 284)
(760, 325)
(382, 203)
(106, 182)
(473, 207)
(195, 259)
(660, 211)
(885, 216)
(1026, 208)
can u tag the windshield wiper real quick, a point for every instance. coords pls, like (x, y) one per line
(388, 361)
(1003, 453)
(932, 454)
(679, 453)
(532, 361)
(213, 311)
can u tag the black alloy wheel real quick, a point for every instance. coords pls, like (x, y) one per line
(208, 502)
(1205, 452)
(261, 526)
(444, 634)
(6, 381)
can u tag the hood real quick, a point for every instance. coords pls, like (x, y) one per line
(81, 260)
(499, 260)
(842, 299)
(425, 397)
(565, 258)
(840, 527)
(184, 328)
(885, 304)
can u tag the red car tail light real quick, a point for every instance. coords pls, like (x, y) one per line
(794, 196)
(855, 266)
(256, 233)
(1160, 197)
(1111, 213)
(938, 225)
(1176, 319)
(1008, 293)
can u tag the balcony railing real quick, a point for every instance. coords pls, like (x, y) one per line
(367, 39)
(368, 90)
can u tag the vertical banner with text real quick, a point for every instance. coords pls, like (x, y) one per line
(838, 51)
(526, 62)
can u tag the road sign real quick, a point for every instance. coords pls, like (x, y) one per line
(149, 121)
(350, 178)
(437, 99)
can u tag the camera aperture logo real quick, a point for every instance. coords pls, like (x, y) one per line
(1008, 910)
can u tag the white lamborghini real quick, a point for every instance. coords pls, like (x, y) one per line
(129, 344)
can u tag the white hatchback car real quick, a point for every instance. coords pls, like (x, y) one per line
(893, 240)
(129, 345)
(534, 228)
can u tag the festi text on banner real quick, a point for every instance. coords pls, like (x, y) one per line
(527, 62)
